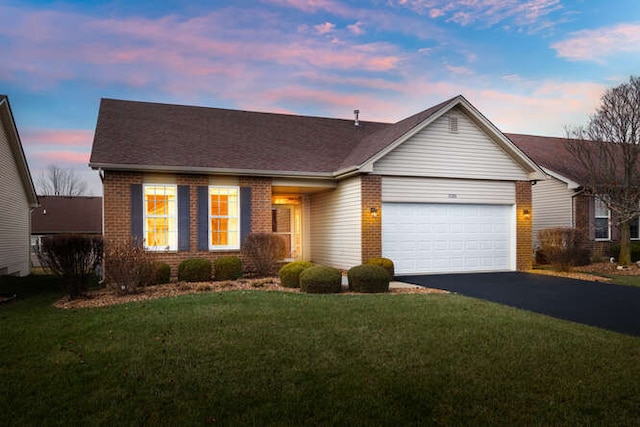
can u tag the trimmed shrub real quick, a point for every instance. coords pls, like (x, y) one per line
(127, 267)
(321, 279)
(564, 247)
(194, 270)
(161, 273)
(227, 268)
(263, 251)
(75, 258)
(290, 273)
(385, 263)
(368, 278)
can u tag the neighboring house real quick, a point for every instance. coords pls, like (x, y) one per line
(441, 191)
(64, 215)
(560, 201)
(17, 197)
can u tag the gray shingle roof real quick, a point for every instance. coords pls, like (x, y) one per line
(550, 153)
(63, 214)
(181, 137)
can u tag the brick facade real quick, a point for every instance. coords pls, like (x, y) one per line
(371, 196)
(117, 212)
(524, 237)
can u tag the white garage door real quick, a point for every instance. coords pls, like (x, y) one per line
(448, 238)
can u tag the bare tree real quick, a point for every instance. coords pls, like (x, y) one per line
(608, 150)
(56, 181)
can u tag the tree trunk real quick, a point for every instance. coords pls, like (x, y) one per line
(624, 258)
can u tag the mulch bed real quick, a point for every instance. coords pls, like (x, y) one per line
(594, 272)
(106, 297)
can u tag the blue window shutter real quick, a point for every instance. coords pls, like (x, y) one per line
(137, 219)
(183, 218)
(203, 218)
(245, 213)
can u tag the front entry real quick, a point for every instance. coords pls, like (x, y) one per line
(286, 221)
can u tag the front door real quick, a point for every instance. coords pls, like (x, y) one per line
(286, 222)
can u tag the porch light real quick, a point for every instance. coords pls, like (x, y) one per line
(374, 212)
(526, 213)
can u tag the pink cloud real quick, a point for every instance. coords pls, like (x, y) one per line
(532, 15)
(357, 28)
(325, 28)
(58, 137)
(595, 45)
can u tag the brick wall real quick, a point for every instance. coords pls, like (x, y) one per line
(260, 203)
(371, 193)
(117, 212)
(524, 237)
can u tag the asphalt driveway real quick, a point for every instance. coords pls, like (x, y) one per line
(612, 307)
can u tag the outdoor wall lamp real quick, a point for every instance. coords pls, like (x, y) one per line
(526, 213)
(374, 212)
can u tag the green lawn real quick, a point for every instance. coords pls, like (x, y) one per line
(276, 358)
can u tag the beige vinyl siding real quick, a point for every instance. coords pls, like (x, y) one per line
(436, 152)
(15, 217)
(434, 190)
(336, 225)
(552, 205)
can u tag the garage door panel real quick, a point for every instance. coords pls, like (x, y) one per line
(443, 238)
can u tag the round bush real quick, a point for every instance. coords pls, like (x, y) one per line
(385, 263)
(368, 278)
(194, 270)
(290, 273)
(161, 273)
(321, 279)
(227, 268)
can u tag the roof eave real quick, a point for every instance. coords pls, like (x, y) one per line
(571, 184)
(211, 171)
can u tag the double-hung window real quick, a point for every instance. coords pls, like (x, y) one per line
(224, 218)
(160, 217)
(602, 220)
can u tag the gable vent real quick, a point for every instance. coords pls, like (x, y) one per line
(453, 124)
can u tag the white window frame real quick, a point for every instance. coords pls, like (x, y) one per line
(172, 217)
(637, 219)
(234, 244)
(596, 216)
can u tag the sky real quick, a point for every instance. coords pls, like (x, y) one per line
(531, 67)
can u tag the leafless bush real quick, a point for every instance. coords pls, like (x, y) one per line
(127, 267)
(563, 247)
(263, 251)
(74, 258)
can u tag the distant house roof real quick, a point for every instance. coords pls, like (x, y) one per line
(6, 117)
(161, 137)
(551, 153)
(62, 215)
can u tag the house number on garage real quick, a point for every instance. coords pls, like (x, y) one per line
(453, 196)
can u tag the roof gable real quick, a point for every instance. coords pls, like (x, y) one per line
(408, 128)
(464, 151)
(7, 122)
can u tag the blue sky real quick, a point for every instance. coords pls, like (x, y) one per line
(529, 66)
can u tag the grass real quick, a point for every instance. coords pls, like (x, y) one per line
(276, 358)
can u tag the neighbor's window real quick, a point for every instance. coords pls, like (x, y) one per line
(224, 218)
(160, 217)
(602, 220)
(634, 226)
